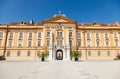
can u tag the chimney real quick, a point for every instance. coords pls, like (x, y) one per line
(31, 21)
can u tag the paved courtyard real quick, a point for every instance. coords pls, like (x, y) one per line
(60, 70)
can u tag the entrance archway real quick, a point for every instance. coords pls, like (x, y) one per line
(59, 54)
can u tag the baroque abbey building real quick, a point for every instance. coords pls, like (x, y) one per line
(58, 37)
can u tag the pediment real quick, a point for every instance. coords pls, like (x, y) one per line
(59, 18)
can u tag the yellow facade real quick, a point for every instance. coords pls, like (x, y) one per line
(25, 41)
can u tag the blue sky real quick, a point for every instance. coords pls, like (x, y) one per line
(83, 11)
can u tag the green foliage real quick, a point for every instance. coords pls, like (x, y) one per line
(75, 54)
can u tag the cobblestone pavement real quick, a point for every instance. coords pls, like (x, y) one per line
(59, 70)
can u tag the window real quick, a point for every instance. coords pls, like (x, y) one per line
(79, 43)
(48, 34)
(97, 43)
(80, 52)
(28, 53)
(79, 35)
(18, 53)
(88, 43)
(70, 34)
(97, 35)
(39, 34)
(10, 35)
(107, 43)
(88, 35)
(10, 43)
(30, 35)
(20, 35)
(20, 43)
(29, 43)
(0, 42)
(89, 53)
(47, 53)
(8, 53)
(38, 53)
(116, 43)
(115, 35)
(106, 35)
(39, 43)
(99, 54)
(48, 42)
(59, 34)
(70, 42)
(1, 34)
(108, 53)
(59, 42)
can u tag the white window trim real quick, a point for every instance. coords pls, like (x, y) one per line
(96, 43)
(19, 35)
(31, 43)
(115, 44)
(104, 35)
(38, 34)
(114, 35)
(32, 35)
(37, 43)
(89, 34)
(8, 43)
(21, 44)
(9, 35)
(80, 34)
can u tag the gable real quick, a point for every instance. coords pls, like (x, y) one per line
(59, 18)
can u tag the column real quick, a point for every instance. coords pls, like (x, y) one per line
(67, 45)
(50, 47)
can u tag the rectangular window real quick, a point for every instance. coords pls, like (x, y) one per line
(59, 42)
(39, 34)
(1, 34)
(59, 34)
(88, 35)
(116, 43)
(70, 42)
(30, 35)
(107, 43)
(115, 35)
(0, 42)
(8, 53)
(38, 53)
(70, 34)
(20, 35)
(10, 43)
(88, 43)
(29, 43)
(48, 34)
(18, 53)
(79, 43)
(79, 35)
(48, 42)
(39, 43)
(106, 35)
(97, 35)
(10, 35)
(99, 54)
(20, 43)
(80, 53)
(89, 53)
(98, 43)
(108, 53)
(28, 53)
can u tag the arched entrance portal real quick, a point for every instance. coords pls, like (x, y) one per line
(59, 54)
